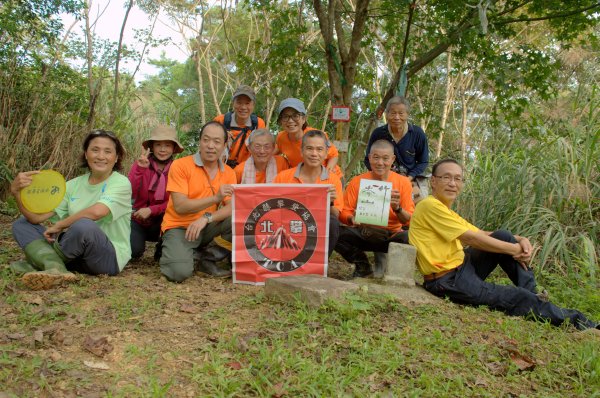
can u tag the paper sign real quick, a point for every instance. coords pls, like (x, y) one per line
(279, 230)
(373, 204)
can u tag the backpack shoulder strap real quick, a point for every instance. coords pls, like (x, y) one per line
(254, 121)
(227, 120)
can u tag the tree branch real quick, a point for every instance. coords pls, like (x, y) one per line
(547, 17)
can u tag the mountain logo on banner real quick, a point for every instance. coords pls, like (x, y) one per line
(280, 234)
(279, 239)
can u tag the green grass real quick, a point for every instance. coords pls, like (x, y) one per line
(208, 338)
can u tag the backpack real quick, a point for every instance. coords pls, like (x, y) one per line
(227, 123)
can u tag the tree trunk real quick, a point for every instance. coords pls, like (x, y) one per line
(448, 101)
(342, 57)
(93, 87)
(115, 104)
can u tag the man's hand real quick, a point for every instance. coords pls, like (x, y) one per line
(332, 193)
(224, 190)
(21, 181)
(524, 257)
(193, 230)
(143, 213)
(352, 222)
(143, 160)
(395, 200)
(52, 231)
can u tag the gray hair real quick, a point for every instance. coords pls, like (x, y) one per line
(259, 133)
(397, 100)
(315, 133)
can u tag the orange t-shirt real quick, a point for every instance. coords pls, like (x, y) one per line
(261, 176)
(399, 183)
(188, 178)
(233, 150)
(292, 150)
(292, 176)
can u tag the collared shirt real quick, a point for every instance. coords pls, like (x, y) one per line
(412, 151)
(240, 144)
(434, 231)
(292, 176)
(189, 177)
(400, 183)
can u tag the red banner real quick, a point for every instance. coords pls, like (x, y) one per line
(279, 230)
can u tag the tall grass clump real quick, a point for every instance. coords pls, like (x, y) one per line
(545, 186)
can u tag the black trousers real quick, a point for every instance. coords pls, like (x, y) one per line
(352, 245)
(140, 234)
(468, 286)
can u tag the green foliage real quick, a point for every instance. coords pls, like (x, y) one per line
(543, 186)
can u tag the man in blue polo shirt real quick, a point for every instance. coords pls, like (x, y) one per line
(410, 143)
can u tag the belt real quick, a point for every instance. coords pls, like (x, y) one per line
(437, 275)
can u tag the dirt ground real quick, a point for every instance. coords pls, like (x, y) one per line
(117, 323)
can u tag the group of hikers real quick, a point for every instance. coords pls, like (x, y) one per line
(105, 218)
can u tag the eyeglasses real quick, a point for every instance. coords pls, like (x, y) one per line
(448, 178)
(101, 133)
(265, 147)
(295, 117)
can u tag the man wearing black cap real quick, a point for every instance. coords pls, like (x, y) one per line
(240, 123)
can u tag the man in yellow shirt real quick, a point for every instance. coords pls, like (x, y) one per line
(439, 234)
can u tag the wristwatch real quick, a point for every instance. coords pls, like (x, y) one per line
(398, 210)
(208, 216)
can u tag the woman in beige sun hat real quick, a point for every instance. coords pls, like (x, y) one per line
(148, 178)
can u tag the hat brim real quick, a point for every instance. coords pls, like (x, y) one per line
(178, 148)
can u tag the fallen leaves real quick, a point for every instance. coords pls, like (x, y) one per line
(38, 336)
(98, 346)
(188, 309)
(15, 336)
(234, 365)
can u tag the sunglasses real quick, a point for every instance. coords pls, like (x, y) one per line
(103, 133)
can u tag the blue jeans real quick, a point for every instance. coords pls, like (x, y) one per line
(467, 285)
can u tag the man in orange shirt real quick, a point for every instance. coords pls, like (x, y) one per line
(314, 150)
(240, 123)
(198, 208)
(261, 167)
(355, 238)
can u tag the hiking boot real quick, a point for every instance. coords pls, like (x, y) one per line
(214, 252)
(210, 268)
(362, 270)
(50, 263)
(50, 279)
(380, 265)
(158, 250)
(21, 267)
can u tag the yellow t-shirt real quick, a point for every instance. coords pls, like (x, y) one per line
(434, 231)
